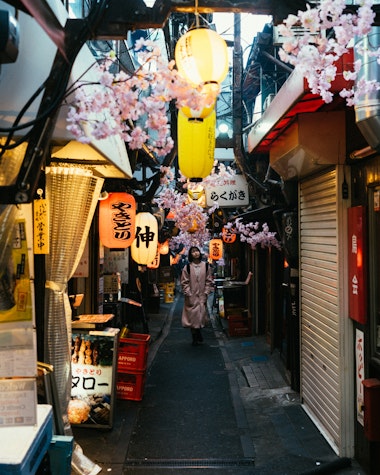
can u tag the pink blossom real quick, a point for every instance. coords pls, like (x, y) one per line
(314, 55)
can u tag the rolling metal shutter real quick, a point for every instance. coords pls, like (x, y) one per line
(324, 327)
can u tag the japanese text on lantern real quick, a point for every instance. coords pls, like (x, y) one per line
(146, 237)
(122, 220)
(41, 226)
(356, 264)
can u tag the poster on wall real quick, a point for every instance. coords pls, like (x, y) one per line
(93, 368)
(357, 292)
(359, 363)
(15, 284)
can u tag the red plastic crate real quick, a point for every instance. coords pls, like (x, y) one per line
(130, 385)
(133, 352)
(238, 326)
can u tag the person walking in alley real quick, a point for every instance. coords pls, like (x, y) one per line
(197, 283)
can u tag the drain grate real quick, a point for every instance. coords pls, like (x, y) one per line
(189, 463)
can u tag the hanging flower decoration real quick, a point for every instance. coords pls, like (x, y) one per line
(130, 103)
(253, 235)
(314, 53)
(190, 218)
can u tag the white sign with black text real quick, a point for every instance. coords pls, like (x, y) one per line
(231, 192)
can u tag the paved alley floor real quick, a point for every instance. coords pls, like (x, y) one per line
(223, 407)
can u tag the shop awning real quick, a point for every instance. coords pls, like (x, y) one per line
(293, 98)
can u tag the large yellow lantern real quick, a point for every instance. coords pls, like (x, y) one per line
(201, 57)
(196, 146)
(144, 246)
(216, 249)
(117, 220)
(197, 113)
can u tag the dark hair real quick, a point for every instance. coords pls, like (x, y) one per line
(190, 257)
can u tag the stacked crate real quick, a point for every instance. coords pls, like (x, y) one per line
(131, 366)
(239, 322)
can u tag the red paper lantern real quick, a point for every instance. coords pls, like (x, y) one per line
(216, 249)
(228, 236)
(164, 248)
(117, 216)
(144, 246)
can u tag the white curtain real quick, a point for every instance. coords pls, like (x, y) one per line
(72, 194)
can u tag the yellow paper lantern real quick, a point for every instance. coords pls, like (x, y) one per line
(197, 113)
(216, 249)
(196, 146)
(117, 220)
(201, 57)
(144, 246)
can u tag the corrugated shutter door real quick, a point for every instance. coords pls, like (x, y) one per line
(319, 301)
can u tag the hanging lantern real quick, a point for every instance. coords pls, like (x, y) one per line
(144, 246)
(216, 249)
(117, 215)
(164, 248)
(197, 113)
(196, 146)
(201, 57)
(156, 261)
(228, 236)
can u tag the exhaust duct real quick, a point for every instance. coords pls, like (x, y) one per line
(367, 110)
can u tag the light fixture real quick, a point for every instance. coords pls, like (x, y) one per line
(223, 128)
(216, 249)
(144, 246)
(196, 146)
(201, 55)
(117, 220)
(164, 248)
(229, 237)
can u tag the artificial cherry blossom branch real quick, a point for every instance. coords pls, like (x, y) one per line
(328, 34)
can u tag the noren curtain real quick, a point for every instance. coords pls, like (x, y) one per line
(73, 195)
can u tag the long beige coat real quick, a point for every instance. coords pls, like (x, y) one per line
(196, 286)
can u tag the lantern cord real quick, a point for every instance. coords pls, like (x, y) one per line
(196, 13)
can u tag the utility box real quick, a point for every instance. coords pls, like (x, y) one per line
(372, 409)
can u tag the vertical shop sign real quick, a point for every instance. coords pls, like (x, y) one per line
(41, 226)
(356, 263)
(359, 357)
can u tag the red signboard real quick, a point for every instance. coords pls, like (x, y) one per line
(357, 264)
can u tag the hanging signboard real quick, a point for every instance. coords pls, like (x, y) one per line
(93, 388)
(357, 309)
(231, 192)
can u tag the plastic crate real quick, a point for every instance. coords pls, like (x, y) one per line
(133, 352)
(60, 454)
(239, 326)
(23, 448)
(130, 385)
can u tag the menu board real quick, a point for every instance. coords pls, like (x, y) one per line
(93, 367)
